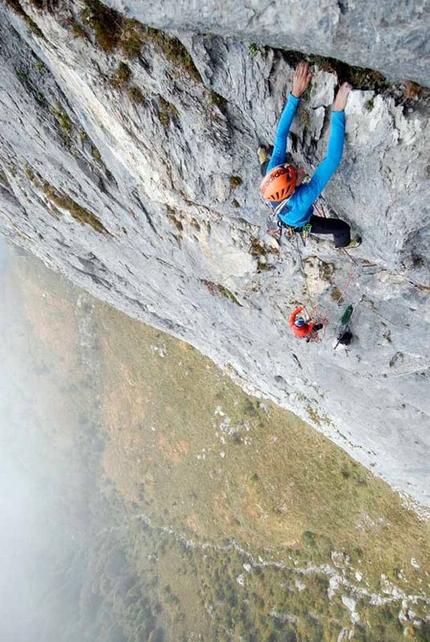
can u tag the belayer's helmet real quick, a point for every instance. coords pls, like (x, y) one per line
(299, 321)
(279, 183)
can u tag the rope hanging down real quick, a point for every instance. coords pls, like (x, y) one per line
(314, 307)
(313, 314)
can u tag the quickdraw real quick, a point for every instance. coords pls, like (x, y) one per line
(275, 227)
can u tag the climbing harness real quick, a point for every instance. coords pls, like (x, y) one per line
(316, 336)
(297, 232)
(275, 227)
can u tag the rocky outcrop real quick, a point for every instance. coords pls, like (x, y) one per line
(128, 163)
(385, 36)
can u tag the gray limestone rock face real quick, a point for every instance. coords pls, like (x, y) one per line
(137, 178)
(388, 36)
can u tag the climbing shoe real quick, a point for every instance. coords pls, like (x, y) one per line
(263, 154)
(355, 242)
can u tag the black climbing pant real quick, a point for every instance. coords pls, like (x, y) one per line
(340, 230)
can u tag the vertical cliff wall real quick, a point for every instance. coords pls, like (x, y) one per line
(128, 163)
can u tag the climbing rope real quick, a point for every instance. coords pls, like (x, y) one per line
(348, 283)
(315, 311)
(318, 335)
(302, 270)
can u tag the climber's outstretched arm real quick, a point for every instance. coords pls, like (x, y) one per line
(325, 170)
(301, 80)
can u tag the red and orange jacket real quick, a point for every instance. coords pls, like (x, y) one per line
(303, 330)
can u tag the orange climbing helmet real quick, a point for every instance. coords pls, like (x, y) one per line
(279, 183)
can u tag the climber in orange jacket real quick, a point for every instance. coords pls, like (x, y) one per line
(301, 327)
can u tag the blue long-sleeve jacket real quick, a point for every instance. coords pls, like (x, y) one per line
(298, 210)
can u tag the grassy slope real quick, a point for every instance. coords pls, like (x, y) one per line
(210, 470)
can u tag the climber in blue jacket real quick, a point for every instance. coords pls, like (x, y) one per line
(292, 200)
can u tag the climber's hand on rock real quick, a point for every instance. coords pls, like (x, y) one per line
(301, 79)
(341, 97)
